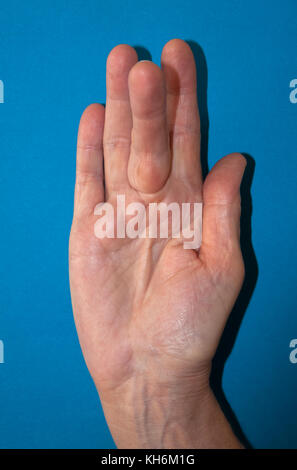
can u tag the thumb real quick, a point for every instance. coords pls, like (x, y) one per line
(221, 213)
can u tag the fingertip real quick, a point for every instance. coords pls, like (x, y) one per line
(223, 182)
(176, 47)
(94, 113)
(120, 57)
(179, 67)
(146, 91)
(144, 76)
(91, 124)
(233, 162)
(238, 158)
(119, 62)
(236, 163)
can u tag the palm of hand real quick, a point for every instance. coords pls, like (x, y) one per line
(145, 306)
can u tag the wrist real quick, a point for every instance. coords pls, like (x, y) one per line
(149, 413)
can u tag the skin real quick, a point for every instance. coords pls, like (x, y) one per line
(149, 313)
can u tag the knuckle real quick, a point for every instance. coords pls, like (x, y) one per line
(116, 142)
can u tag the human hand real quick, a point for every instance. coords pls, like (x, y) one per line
(149, 313)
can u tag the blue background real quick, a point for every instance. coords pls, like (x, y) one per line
(52, 63)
